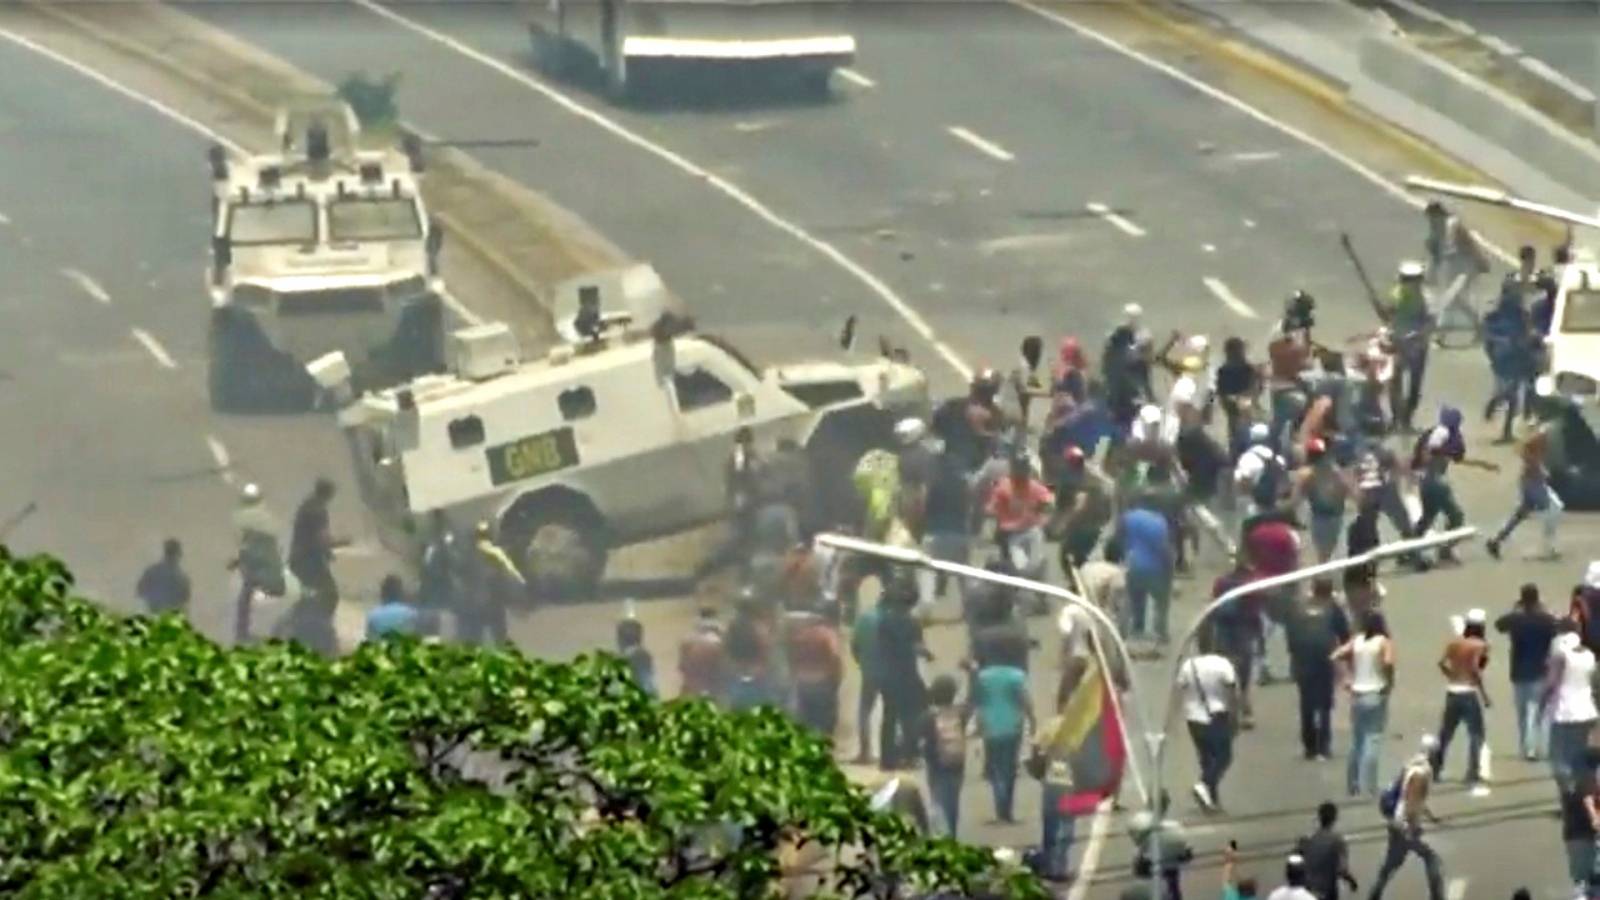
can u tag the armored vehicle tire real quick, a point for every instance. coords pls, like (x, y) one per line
(245, 374)
(558, 541)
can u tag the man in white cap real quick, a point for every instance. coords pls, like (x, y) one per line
(1405, 804)
(1462, 664)
(1260, 473)
(1569, 697)
(259, 561)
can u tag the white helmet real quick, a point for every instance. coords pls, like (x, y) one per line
(250, 494)
(1133, 312)
(1150, 414)
(910, 431)
(1411, 269)
(1259, 432)
(1199, 344)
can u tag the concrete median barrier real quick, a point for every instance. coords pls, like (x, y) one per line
(1486, 110)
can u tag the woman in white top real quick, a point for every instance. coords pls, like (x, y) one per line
(1368, 666)
(1569, 701)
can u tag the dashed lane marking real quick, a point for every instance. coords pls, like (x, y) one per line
(4, 219)
(1117, 220)
(1222, 292)
(1456, 889)
(873, 283)
(219, 454)
(1254, 156)
(89, 285)
(856, 78)
(1372, 175)
(154, 346)
(982, 144)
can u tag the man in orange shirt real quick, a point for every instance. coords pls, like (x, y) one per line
(1020, 504)
(815, 667)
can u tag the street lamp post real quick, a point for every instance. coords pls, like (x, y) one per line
(1155, 739)
(912, 557)
(1158, 738)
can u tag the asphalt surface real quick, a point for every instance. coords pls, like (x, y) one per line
(985, 247)
(1563, 33)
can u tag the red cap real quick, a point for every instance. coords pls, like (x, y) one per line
(1073, 454)
(1316, 447)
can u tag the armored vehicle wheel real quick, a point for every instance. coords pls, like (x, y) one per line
(559, 542)
(245, 374)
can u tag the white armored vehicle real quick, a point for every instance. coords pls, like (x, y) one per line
(321, 246)
(616, 441)
(637, 48)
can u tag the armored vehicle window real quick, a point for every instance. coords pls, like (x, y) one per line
(379, 219)
(576, 403)
(466, 432)
(283, 222)
(698, 389)
(1582, 312)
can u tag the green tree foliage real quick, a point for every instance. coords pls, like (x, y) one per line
(140, 760)
(372, 99)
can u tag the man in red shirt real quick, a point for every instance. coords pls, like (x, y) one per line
(703, 659)
(1272, 547)
(1020, 504)
(816, 668)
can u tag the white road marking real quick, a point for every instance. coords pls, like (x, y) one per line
(154, 346)
(856, 78)
(1249, 223)
(4, 219)
(738, 194)
(131, 94)
(982, 144)
(89, 285)
(1229, 299)
(1456, 889)
(1254, 156)
(1120, 222)
(1091, 851)
(754, 127)
(1209, 248)
(1024, 242)
(219, 453)
(1389, 187)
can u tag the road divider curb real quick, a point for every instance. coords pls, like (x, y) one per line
(1496, 115)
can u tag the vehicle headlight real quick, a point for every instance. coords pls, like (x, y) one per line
(253, 296)
(1571, 383)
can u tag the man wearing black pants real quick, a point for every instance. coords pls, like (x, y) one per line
(1210, 697)
(1316, 629)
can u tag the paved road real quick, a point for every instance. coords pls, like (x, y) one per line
(1563, 33)
(982, 230)
(984, 233)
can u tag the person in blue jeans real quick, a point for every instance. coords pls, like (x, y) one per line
(1146, 540)
(1367, 662)
(944, 750)
(1532, 630)
(1005, 716)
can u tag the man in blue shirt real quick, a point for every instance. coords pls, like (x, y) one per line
(394, 614)
(1146, 539)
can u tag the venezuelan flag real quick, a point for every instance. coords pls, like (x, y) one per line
(1089, 738)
